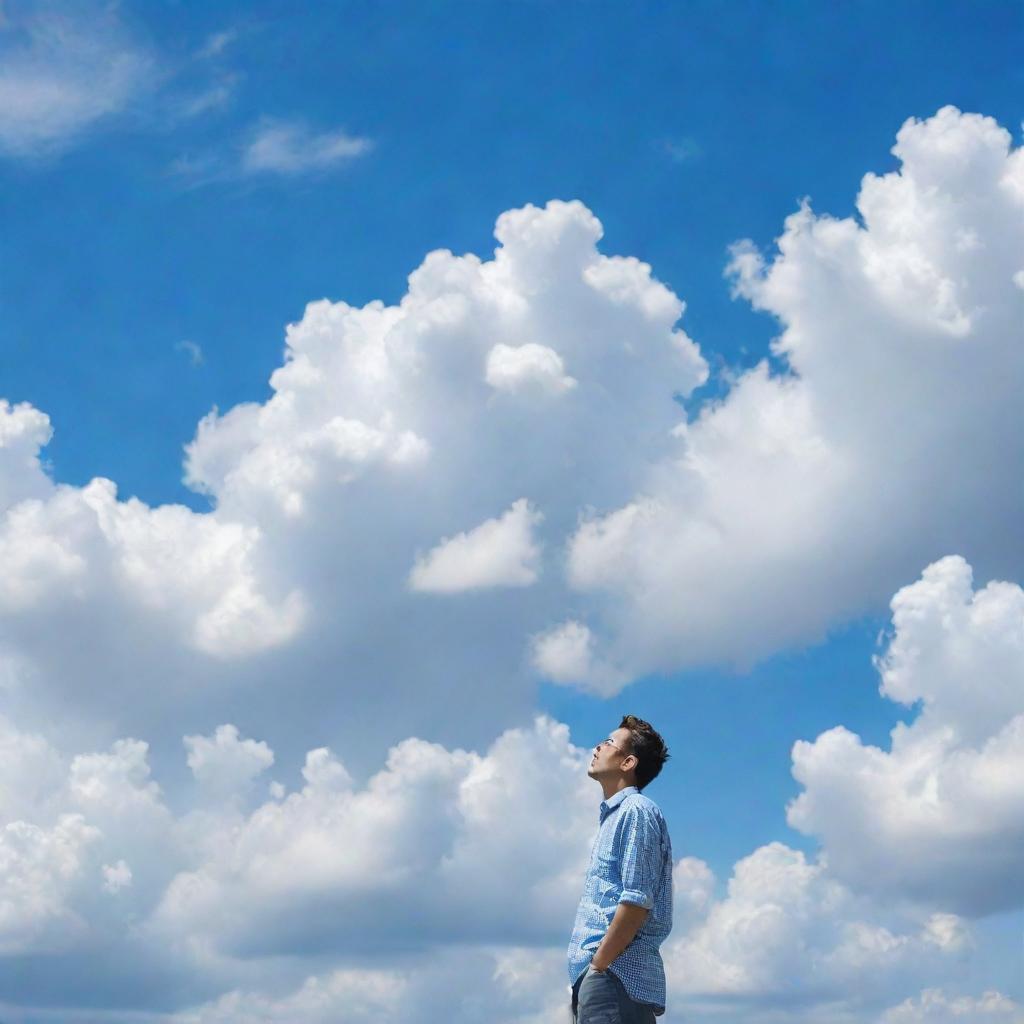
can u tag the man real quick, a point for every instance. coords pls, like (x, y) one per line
(625, 913)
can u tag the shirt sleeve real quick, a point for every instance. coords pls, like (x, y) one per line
(639, 857)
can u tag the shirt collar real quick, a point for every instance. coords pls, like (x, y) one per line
(609, 805)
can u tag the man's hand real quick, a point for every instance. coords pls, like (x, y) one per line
(625, 924)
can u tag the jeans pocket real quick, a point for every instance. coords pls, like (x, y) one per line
(599, 999)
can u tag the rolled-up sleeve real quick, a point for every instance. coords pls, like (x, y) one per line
(639, 857)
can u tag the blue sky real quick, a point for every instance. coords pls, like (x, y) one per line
(205, 172)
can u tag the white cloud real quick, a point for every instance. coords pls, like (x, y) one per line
(517, 368)
(566, 655)
(788, 930)
(65, 545)
(805, 497)
(935, 1007)
(113, 791)
(447, 868)
(31, 768)
(273, 147)
(351, 995)
(447, 446)
(324, 773)
(38, 868)
(213, 97)
(23, 431)
(939, 817)
(427, 839)
(289, 147)
(382, 436)
(225, 763)
(192, 350)
(693, 892)
(498, 553)
(116, 876)
(205, 902)
(421, 367)
(61, 75)
(465, 986)
(216, 43)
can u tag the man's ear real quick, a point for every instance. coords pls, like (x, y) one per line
(634, 759)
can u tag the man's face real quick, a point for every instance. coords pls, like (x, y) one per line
(609, 754)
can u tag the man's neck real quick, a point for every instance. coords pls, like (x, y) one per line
(617, 785)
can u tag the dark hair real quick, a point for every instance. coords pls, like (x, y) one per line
(647, 747)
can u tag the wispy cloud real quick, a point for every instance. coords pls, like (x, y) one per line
(274, 148)
(192, 350)
(65, 70)
(216, 96)
(290, 148)
(216, 43)
(60, 75)
(683, 150)
(193, 170)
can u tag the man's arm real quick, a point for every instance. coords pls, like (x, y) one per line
(625, 924)
(638, 863)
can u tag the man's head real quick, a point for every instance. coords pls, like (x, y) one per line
(634, 753)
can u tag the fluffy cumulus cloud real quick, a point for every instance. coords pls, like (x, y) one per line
(445, 882)
(440, 847)
(810, 493)
(23, 431)
(66, 548)
(787, 931)
(102, 872)
(38, 867)
(499, 552)
(224, 762)
(461, 393)
(443, 445)
(567, 654)
(940, 815)
(85, 853)
(520, 367)
(32, 769)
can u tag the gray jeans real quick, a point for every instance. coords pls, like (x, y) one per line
(601, 999)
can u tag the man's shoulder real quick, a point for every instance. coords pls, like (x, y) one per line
(643, 805)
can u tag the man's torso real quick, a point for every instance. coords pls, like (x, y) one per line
(632, 841)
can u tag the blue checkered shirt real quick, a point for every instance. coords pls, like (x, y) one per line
(631, 862)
